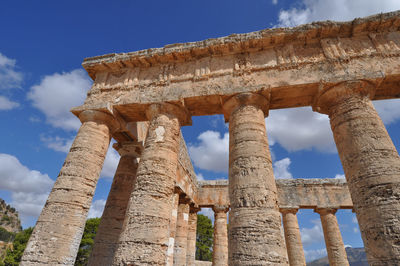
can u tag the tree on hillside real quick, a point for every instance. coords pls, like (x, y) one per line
(204, 238)
(87, 241)
(13, 257)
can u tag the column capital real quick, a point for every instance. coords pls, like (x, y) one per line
(194, 208)
(246, 98)
(323, 211)
(220, 208)
(170, 109)
(330, 95)
(100, 117)
(129, 148)
(288, 210)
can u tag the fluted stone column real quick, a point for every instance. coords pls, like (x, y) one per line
(146, 232)
(292, 236)
(333, 239)
(58, 231)
(254, 219)
(181, 234)
(112, 220)
(220, 245)
(371, 165)
(172, 229)
(191, 239)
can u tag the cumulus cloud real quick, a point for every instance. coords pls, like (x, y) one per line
(57, 94)
(312, 235)
(281, 168)
(314, 254)
(97, 208)
(10, 78)
(57, 143)
(340, 176)
(338, 10)
(212, 153)
(29, 188)
(6, 104)
(388, 110)
(208, 212)
(300, 129)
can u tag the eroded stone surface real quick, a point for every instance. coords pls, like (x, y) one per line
(220, 241)
(191, 238)
(293, 238)
(181, 237)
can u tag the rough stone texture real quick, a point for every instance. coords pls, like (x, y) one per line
(292, 238)
(181, 234)
(172, 229)
(220, 244)
(111, 223)
(191, 239)
(333, 239)
(202, 263)
(371, 164)
(146, 231)
(58, 231)
(292, 193)
(254, 218)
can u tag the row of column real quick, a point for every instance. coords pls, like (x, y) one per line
(369, 158)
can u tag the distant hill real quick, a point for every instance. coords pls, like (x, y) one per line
(9, 219)
(356, 257)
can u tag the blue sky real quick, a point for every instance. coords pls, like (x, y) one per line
(42, 46)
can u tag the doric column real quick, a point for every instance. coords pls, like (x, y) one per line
(292, 236)
(172, 229)
(220, 245)
(333, 239)
(191, 239)
(146, 233)
(113, 216)
(181, 233)
(254, 220)
(58, 231)
(371, 165)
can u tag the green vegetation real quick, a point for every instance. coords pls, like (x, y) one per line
(86, 245)
(13, 257)
(204, 238)
(6, 236)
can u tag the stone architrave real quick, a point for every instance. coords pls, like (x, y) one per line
(333, 239)
(254, 222)
(58, 231)
(292, 236)
(371, 165)
(220, 245)
(146, 232)
(112, 220)
(191, 238)
(181, 236)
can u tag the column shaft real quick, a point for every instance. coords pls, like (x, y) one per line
(293, 239)
(254, 222)
(191, 241)
(58, 231)
(333, 239)
(181, 234)
(372, 168)
(220, 245)
(111, 223)
(146, 232)
(172, 231)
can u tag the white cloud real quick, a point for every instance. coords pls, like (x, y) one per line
(312, 235)
(208, 212)
(9, 76)
(338, 10)
(388, 110)
(300, 129)
(314, 254)
(356, 230)
(97, 208)
(274, 2)
(57, 94)
(29, 188)
(57, 143)
(281, 169)
(212, 153)
(200, 177)
(6, 104)
(340, 176)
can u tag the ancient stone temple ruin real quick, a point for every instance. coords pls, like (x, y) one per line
(141, 99)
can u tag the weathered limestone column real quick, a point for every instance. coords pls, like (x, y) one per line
(58, 231)
(220, 245)
(113, 216)
(181, 233)
(254, 220)
(191, 239)
(172, 229)
(292, 236)
(371, 165)
(333, 239)
(146, 233)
